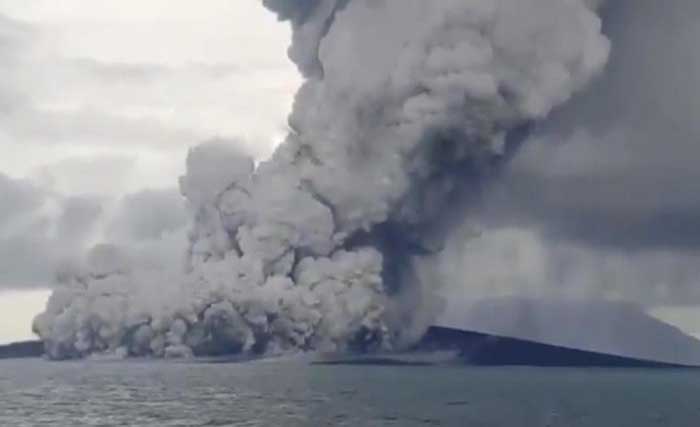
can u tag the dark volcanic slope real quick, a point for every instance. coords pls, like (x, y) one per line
(474, 348)
(22, 349)
(598, 326)
(491, 350)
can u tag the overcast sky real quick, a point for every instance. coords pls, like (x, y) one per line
(99, 102)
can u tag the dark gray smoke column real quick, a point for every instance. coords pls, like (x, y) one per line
(407, 103)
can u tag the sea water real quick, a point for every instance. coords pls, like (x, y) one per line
(296, 393)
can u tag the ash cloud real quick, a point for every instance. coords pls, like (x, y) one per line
(617, 166)
(407, 106)
(601, 203)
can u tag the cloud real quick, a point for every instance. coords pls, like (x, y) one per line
(26, 261)
(602, 201)
(618, 166)
(18, 197)
(108, 174)
(148, 215)
(513, 261)
(64, 95)
(44, 232)
(40, 229)
(77, 219)
(92, 127)
(94, 103)
(23, 253)
(15, 36)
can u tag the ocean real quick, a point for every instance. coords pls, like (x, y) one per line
(291, 392)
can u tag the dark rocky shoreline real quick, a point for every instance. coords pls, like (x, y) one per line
(25, 349)
(479, 349)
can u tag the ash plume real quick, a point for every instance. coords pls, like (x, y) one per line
(407, 108)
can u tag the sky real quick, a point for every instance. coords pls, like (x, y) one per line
(18, 310)
(99, 103)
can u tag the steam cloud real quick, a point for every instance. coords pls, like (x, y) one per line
(408, 106)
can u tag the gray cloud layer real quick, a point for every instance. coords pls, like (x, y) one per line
(603, 200)
(44, 232)
(98, 137)
(618, 166)
(63, 97)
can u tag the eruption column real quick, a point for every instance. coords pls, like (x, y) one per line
(406, 107)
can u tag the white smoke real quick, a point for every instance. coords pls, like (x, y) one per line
(407, 105)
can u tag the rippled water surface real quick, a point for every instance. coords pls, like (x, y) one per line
(293, 393)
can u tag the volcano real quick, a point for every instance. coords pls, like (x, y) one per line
(480, 349)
